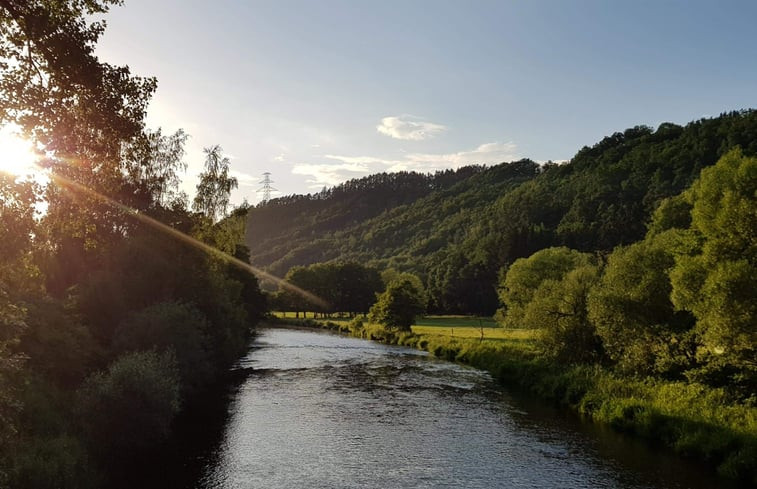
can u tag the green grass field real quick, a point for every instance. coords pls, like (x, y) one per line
(510, 335)
(453, 327)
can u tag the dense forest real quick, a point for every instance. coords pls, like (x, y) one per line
(458, 229)
(114, 317)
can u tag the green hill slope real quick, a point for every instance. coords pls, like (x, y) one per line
(457, 229)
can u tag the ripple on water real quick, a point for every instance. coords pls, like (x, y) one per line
(325, 411)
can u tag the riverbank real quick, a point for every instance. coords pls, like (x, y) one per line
(693, 420)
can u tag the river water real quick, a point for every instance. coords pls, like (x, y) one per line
(318, 410)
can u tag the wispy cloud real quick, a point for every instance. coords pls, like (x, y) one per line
(245, 179)
(410, 128)
(487, 153)
(361, 160)
(330, 175)
(356, 166)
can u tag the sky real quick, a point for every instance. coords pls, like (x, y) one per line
(318, 92)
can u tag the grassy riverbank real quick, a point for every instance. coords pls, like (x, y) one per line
(694, 420)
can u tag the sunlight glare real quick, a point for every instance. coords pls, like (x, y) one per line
(17, 155)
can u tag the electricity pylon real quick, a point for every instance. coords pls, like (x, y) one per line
(266, 189)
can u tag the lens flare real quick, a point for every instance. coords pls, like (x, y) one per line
(76, 187)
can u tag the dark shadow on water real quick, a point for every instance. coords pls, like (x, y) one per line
(197, 433)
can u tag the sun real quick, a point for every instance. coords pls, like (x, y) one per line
(17, 155)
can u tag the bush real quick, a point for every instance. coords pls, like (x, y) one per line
(52, 463)
(129, 407)
(171, 326)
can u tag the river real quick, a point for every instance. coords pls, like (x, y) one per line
(318, 410)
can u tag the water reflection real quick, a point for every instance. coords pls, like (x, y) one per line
(324, 411)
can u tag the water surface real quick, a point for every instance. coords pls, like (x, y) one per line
(320, 410)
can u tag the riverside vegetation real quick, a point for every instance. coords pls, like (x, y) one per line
(632, 266)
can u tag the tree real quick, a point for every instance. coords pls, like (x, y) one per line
(631, 308)
(560, 308)
(718, 279)
(303, 278)
(355, 287)
(175, 327)
(520, 282)
(17, 275)
(153, 162)
(399, 305)
(215, 185)
(78, 108)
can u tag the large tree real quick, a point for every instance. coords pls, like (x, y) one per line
(80, 109)
(718, 280)
(631, 308)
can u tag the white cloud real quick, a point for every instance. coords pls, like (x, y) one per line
(361, 160)
(330, 175)
(487, 153)
(245, 179)
(355, 166)
(409, 128)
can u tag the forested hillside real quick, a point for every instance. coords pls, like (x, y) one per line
(456, 230)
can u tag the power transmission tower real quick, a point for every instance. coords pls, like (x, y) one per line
(266, 189)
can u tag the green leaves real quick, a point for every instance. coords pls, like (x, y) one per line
(130, 406)
(524, 277)
(399, 305)
(631, 305)
(717, 281)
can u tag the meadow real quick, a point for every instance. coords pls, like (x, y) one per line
(460, 327)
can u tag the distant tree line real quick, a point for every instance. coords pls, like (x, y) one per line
(340, 287)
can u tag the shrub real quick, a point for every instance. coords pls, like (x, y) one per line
(129, 407)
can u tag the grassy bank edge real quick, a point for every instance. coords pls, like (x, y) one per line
(694, 420)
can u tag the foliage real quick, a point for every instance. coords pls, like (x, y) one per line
(130, 406)
(341, 287)
(17, 277)
(399, 305)
(56, 344)
(458, 229)
(718, 279)
(631, 308)
(215, 185)
(171, 327)
(560, 306)
(59, 462)
(521, 281)
(88, 286)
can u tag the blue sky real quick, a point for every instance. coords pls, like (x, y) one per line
(317, 92)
